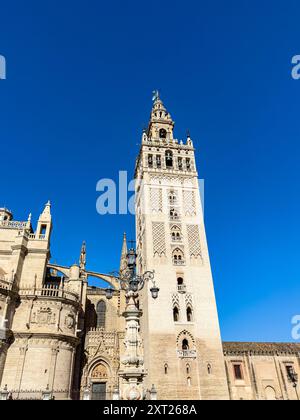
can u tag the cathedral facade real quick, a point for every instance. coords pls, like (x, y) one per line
(63, 338)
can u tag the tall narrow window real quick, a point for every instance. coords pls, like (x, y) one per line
(175, 314)
(101, 314)
(166, 369)
(169, 159)
(162, 133)
(238, 373)
(189, 314)
(185, 344)
(150, 161)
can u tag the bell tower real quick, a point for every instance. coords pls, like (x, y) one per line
(180, 330)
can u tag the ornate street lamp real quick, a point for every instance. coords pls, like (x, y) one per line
(133, 370)
(153, 393)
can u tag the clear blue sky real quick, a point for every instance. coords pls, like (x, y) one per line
(78, 93)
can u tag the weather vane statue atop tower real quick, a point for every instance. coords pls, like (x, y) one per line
(155, 96)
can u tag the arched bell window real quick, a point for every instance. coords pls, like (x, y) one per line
(169, 159)
(101, 314)
(162, 133)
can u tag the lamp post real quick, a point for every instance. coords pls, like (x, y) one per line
(132, 371)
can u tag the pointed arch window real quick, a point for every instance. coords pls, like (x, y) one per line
(172, 197)
(189, 314)
(176, 314)
(178, 257)
(176, 233)
(101, 314)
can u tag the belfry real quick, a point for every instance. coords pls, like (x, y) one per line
(149, 331)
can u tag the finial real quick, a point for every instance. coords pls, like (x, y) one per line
(155, 96)
(29, 217)
(82, 259)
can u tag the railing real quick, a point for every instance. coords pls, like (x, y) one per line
(181, 288)
(176, 238)
(11, 224)
(37, 237)
(178, 262)
(187, 354)
(49, 291)
(174, 217)
(6, 285)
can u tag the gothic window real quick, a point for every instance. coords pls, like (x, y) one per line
(175, 314)
(209, 369)
(188, 164)
(101, 314)
(178, 258)
(188, 369)
(172, 197)
(185, 344)
(189, 381)
(162, 133)
(169, 159)
(189, 314)
(174, 214)
(176, 233)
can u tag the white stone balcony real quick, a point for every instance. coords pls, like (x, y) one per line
(49, 291)
(187, 354)
(178, 262)
(181, 288)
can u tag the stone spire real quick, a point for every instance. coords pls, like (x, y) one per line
(46, 215)
(161, 124)
(82, 259)
(123, 261)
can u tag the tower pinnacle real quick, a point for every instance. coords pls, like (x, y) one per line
(123, 261)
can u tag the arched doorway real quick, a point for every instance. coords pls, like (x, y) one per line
(270, 393)
(99, 380)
